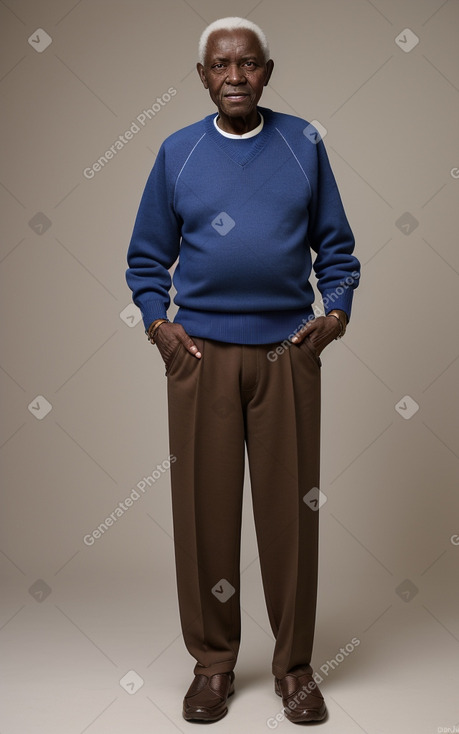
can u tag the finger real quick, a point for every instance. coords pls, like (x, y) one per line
(303, 333)
(191, 347)
(195, 351)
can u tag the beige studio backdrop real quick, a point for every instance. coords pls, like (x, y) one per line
(90, 638)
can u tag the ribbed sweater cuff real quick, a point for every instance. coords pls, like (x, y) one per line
(340, 298)
(152, 310)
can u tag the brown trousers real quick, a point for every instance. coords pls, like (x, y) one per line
(238, 395)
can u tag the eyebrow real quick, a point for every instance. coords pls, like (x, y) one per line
(243, 58)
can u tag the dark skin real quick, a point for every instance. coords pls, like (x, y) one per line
(235, 73)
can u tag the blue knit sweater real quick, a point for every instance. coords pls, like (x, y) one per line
(243, 218)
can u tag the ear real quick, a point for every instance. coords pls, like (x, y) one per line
(202, 75)
(269, 71)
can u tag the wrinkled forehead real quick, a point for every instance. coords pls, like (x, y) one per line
(231, 44)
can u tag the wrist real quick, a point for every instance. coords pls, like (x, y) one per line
(153, 328)
(341, 318)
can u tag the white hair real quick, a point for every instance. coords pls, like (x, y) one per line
(230, 24)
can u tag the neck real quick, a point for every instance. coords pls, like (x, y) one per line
(238, 125)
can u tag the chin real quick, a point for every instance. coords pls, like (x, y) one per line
(240, 111)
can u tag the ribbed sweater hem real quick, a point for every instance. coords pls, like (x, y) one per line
(266, 327)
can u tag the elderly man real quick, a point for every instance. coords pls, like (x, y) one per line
(241, 200)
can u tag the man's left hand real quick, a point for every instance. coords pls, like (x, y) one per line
(321, 331)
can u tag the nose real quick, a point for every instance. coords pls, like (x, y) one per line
(234, 75)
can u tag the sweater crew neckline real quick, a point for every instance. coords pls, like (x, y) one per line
(242, 150)
(244, 136)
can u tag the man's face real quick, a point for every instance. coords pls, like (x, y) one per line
(235, 72)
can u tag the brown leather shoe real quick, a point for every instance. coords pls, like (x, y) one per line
(300, 695)
(205, 699)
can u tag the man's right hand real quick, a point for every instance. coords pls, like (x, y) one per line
(168, 336)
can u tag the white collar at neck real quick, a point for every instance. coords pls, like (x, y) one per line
(250, 134)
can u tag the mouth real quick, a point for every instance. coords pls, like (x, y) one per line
(236, 97)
